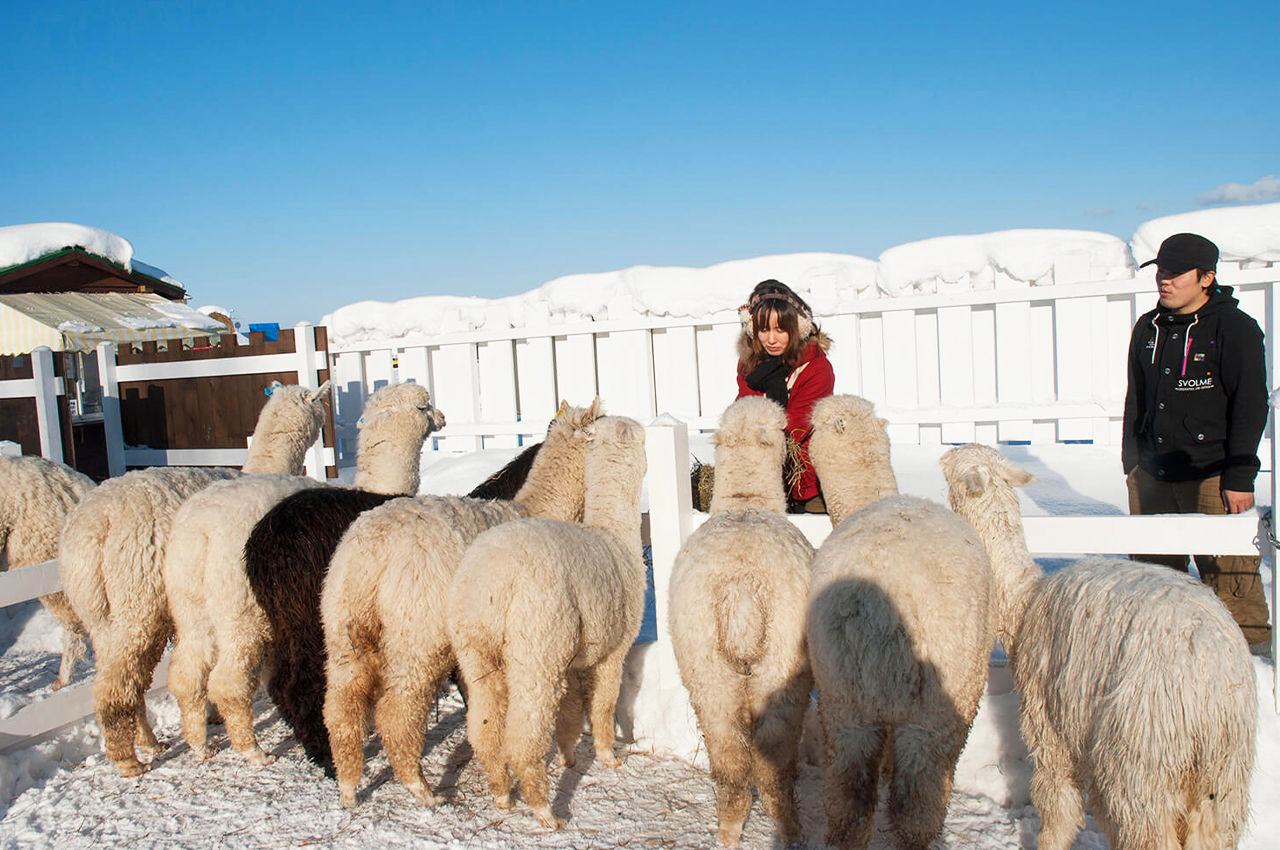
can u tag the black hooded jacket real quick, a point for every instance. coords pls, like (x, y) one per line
(1197, 400)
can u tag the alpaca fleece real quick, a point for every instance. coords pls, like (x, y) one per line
(287, 553)
(35, 496)
(541, 617)
(901, 623)
(1136, 685)
(385, 598)
(738, 601)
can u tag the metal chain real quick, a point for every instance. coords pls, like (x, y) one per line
(1268, 523)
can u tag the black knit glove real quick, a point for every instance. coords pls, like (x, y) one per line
(770, 378)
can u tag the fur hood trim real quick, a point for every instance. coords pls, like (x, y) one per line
(818, 337)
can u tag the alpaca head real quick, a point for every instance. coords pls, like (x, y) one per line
(751, 445)
(613, 471)
(850, 452)
(980, 481)
(396, 422)
(287, 426)
(404, 403)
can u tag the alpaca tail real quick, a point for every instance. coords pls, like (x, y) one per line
(80, 564)
(741, 624)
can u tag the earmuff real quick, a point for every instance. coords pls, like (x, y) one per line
(804, 319)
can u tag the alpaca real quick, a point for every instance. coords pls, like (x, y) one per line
(541, 616)
(738, 601)
(1136, 685)
(385, 597)
(111, 556)
(287, 553)
(901, 626)
(35, 495)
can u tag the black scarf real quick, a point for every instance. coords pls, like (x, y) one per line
(770, 378)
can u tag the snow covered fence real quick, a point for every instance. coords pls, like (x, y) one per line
(1037, 364)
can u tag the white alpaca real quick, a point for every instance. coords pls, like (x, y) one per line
(738, 602)
(1136, 685)
(901, 626)
(35, 495)
(111, 556)
(542, 614)
(386, 595)
(222, 633)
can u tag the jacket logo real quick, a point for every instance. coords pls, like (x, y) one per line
(1197, 358)
(1185, 384)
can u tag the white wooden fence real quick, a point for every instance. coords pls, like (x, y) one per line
(1033, 364)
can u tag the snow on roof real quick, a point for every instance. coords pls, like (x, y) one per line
(22, 243)
(1247, 234)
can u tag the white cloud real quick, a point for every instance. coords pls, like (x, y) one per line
(1265, 189)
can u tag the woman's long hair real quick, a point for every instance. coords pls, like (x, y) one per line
(772, 297)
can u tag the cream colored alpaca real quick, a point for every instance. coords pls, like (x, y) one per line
(738, 601)
(387, 592)
(35, 495)
(901, 626)
(541, 616)
(111, 557)
(1136, 686)
(222, 633)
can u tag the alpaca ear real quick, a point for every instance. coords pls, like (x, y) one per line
(975, 480)
(883, 423)
(271, 388)
(319, 391)
(597, 409)
(1016, 475)
(563, 410)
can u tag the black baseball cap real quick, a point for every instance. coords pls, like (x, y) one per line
(1182, 252)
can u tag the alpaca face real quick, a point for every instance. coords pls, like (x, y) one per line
(399, 400)
(974, 470)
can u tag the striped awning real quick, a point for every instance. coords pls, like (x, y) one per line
(78, 321)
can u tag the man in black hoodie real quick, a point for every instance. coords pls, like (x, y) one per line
(1194, 413)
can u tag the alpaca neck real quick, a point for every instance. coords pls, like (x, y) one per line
(554, 486)
(387, 464)
(745, 483)
(615, 510)
(846, 494)
(278, 449)
(1015, 572)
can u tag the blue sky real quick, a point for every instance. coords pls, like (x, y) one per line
(284, 159)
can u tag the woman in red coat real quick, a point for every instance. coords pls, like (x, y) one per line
(782, 355)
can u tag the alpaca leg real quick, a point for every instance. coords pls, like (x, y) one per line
(924, 762)
(606, 681)
(486, 714)
(1053, 789)
(402, 720)
(297, 688)
(144, 737)
(569, 719)
(188, 671)
(73, 636)
(117, 699)
(528, 730)
(777, 747)
(852, 779)
(725, 731)
(232, 683)
(353, 682)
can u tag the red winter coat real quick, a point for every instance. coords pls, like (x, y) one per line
(811, 380)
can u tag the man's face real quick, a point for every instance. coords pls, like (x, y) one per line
(1183, 293)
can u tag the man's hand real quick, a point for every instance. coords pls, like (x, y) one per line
(1236, 502)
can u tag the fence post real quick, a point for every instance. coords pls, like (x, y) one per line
(112, 429)
(304, 340)
(47, 404)
(671, 726)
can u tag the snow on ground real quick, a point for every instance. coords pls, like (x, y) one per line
(63, 793)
